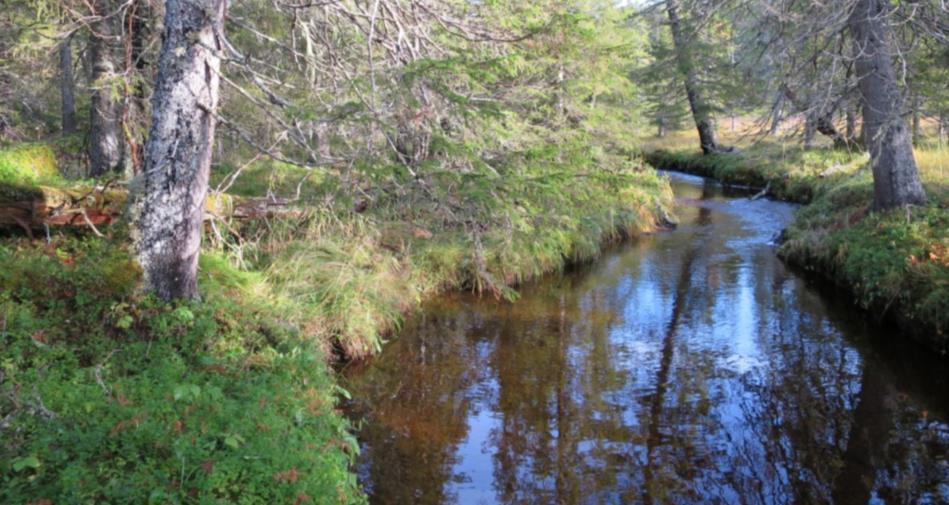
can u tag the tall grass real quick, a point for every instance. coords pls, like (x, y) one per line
(346, 279)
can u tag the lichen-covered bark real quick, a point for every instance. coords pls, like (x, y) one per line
(895, 176)
(169, 211)
(105, 148)
(701, 110)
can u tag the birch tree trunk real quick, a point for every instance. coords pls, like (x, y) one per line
(701, 110)
(895, 176)
(169, 212)
(105, 148)
(67, 86)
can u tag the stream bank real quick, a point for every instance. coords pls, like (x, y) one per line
(894, 264)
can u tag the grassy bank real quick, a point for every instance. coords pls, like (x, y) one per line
(349, 276)
(107, 395)
(896, 263)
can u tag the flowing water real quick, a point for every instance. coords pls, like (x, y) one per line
(689, 366)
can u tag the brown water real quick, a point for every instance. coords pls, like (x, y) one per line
(687, 367)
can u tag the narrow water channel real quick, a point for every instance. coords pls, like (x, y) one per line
(689, 366)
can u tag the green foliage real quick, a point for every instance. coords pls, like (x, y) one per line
(500, 162)
(110, 397)
(349, 288)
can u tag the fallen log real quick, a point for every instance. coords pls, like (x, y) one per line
(40, 207)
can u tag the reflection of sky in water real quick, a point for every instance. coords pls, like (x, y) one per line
(690, 366)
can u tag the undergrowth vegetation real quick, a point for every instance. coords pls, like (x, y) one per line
(112, 397)
(896, 263)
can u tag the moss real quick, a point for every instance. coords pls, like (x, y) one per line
(28, 164)
(191, 402)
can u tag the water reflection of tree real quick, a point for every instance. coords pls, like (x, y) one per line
(415, 403)
(558, 423)
(828, 426)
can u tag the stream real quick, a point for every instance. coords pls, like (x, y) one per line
(689, 366)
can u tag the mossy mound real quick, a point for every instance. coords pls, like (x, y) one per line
(27, 164)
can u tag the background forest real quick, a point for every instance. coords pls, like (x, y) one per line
(362, 155)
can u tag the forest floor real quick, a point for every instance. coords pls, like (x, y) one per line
(108, 393)
(895, 263)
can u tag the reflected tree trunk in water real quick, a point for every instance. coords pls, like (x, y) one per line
(869, 434)
(565, 478)
(654, 436)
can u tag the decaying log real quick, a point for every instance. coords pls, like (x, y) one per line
(35, 208)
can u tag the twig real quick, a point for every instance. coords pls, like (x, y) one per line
(97, 372)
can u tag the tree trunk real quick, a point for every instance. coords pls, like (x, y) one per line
(662, 127)
(825, 126)
(916, 118)
(895, 177)
(67, 86)
(851, 124)
(105, 147)
(701, 110)
(140, 17)
(168, 215)
(776, 110)
(810, 127)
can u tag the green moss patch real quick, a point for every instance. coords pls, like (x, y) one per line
(111, 397)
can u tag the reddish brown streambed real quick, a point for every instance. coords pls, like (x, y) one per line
(687, 367)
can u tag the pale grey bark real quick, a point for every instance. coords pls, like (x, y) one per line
(895, 176)
(105, 143)
(701, 110)
(169, 210)
(67, 86)
(917, 117)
